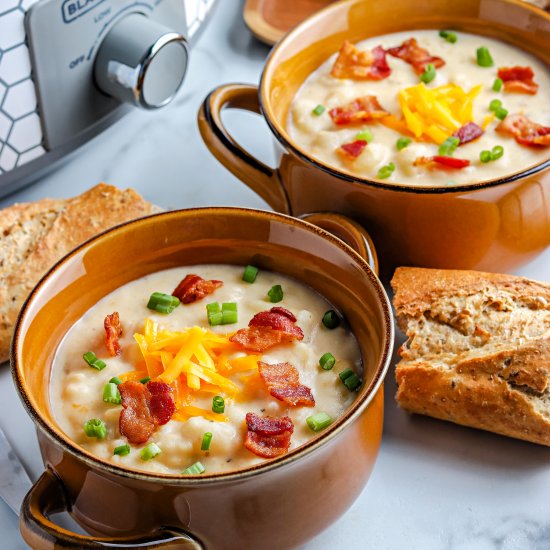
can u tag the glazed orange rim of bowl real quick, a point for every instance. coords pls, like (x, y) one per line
(361, 402)
(282, 135)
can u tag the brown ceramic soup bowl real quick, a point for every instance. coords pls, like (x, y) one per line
(281, 503)
(494, 225)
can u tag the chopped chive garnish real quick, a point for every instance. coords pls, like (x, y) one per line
(327, 361)
(214, 314)
(206, 440)
(386, 171)
(319, 110)
(93, 361)
(364, 135)
(194, 469)
(429, 74)
(403, 142)
(95, 428)
(275, 294)
(495, 153)
(483, 57)
(111, 394)
(319, 421)
(145, 380)
(350, 379)
(331, 319)
(449, 36)
(497, 84)
(163, 303)
(151, 450)
(501, 113)
(250, 274)
(218, 404)
(115, 380)
(122, 450)
(495, 104)
(448, 147)
(229, 313)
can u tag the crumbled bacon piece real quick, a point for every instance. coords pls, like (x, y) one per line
(360, 65)
(283, 383)
(447, 162)
(525, 131)
(161, 404)
(352, 150)
(518, 79)
(361, 109)
(268, 436)
(267, 329)
(416, 56)
(194, 288)
(113, 331)
(144, 407)
(468, 132)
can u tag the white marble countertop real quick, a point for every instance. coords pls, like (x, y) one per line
(436, 486)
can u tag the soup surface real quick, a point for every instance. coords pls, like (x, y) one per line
(386, 107)
(164, 422)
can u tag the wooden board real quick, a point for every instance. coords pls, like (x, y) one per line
(268, 20)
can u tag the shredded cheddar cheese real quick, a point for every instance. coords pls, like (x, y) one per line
(435, 114)
(194, 362)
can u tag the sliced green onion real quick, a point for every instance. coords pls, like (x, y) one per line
(497, 84)
(95, 428)
(163, 303)
(331, 319)
(250, 274)
(93, 361)
(122, 450)
(483, 57)
(429, 73)
(487, 156)
(218, 404)
(449, 36)
(111, 394)
(194, 469)
(319, 110)
(501, 113)
(145, 380)
(448, 147)
(403, 142)
(151, 450)
(327, 361)
(386, 171)
(495, 104)
(275, 294)
(115, 380)
(229, 313)
(214, 314)
(319, 421)
(206, 440)
(364, 135)
(497, 152)
(350, 379)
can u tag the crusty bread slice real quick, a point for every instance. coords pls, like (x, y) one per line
(478, 350)
(33, 236)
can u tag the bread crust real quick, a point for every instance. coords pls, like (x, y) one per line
(503, 388)
(44, 231)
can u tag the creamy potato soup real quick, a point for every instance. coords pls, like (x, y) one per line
(426, 108)
(228, 374)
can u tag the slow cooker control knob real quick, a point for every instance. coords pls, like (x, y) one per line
(141, 62)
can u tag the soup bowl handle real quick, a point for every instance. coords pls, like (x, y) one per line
(261, 178)
(352, 233)
(47, 497)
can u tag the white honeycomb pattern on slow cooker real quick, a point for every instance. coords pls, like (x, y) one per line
(20, 130)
